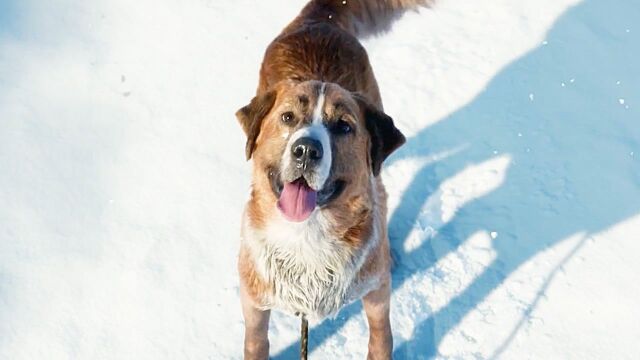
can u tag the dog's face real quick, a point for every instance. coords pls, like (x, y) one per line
(314, 144)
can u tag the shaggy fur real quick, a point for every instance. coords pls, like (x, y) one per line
(316, 80)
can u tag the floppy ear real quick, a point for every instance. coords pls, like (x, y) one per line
(385, 137)
(250, 118)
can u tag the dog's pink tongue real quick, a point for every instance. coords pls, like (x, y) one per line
(297, 201)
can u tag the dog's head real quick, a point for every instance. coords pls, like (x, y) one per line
(314, 144)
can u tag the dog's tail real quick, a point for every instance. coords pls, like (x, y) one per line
(360, 17)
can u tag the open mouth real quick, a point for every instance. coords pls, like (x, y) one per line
(297, 200)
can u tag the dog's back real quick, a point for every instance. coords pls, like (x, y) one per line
(321, 44)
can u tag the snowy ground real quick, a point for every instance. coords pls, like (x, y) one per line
(515, 203)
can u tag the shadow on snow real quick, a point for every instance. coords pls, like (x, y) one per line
(570, 170)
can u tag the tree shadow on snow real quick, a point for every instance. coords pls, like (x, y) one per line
(571, 166)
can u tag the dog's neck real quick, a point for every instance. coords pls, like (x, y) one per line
(312, 265)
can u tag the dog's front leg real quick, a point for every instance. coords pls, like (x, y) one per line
(376, 306)
(256, 329)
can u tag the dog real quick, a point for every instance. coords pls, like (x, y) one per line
(314, 233)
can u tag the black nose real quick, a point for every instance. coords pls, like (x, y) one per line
(306, 151)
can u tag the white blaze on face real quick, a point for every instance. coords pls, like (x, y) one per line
(316, 130)
(317, 112)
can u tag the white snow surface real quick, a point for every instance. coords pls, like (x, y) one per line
(514, 206)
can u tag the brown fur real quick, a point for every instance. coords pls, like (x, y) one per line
(255, 286)
(320, 46)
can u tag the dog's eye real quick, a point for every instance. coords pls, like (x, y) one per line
(341, 127)
(287, 117)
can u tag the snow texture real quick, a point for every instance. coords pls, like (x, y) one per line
(514, 206)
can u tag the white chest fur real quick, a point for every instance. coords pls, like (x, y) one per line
(312, 272)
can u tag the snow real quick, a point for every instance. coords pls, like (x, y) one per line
(122, 180)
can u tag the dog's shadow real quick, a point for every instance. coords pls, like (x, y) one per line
(574, 164)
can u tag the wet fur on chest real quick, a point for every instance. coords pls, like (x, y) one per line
(310, 270)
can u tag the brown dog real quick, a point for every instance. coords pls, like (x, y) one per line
(314, 233)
